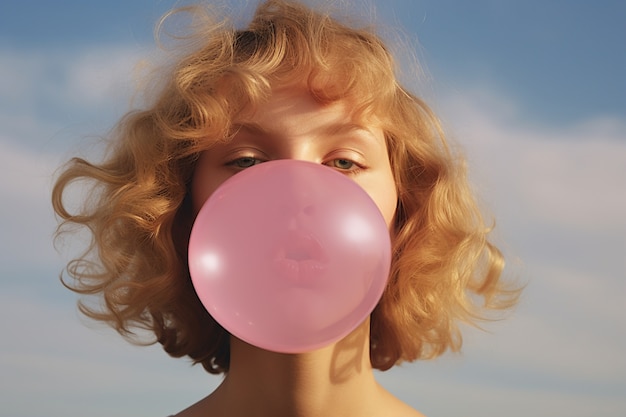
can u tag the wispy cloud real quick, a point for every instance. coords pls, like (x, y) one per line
(48, 101)
(52, 98)
(84, 77)
(25, 214)
(449, 388)
(104, 75)
(570, 176)
(559, 199)
(69, 368)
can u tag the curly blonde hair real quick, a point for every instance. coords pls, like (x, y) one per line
(139, 212)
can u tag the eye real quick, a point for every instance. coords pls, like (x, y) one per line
(344, 164)
(244, 162)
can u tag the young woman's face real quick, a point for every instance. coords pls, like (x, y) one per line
(292, 125)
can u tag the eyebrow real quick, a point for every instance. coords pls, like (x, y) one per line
(334, 129)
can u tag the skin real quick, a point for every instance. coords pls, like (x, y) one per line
(337, 380)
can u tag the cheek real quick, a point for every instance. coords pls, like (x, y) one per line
(199, 195)
(204, 182)
(386, 198)
(388, 205)
(388, 201)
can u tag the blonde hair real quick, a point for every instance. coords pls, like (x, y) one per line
(140, 216)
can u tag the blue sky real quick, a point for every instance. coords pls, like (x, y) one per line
(534, 91)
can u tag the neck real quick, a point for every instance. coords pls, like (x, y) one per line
(317, 383)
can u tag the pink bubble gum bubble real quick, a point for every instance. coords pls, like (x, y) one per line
(289, 256)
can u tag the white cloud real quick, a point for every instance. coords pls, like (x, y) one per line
(44, 95)
(88, 77)
(450, 390)
(26, 214)
(49, 355)
(573, 176)
(18, 71)
(104, 75)
(56, 96)
(553, 190)
(25, 173)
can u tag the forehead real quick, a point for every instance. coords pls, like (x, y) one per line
(297, 109)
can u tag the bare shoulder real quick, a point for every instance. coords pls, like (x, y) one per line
(411, 412)
(403, 410)
(203, 408)
(394, 407)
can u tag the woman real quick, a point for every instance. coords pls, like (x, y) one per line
(276, 90)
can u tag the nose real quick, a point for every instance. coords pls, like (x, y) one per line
(300, 193)
(299, 190)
